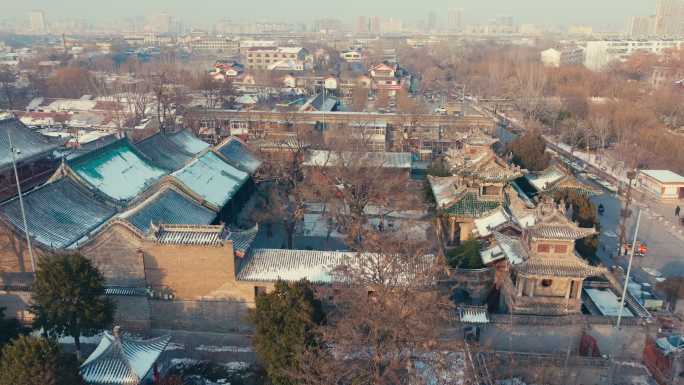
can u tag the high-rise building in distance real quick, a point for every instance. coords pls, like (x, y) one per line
(669, 18)
(432, 21)
(642, 26)
(361, 25)
(455, 19)
(37, 21)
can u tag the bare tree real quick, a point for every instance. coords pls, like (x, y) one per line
(387, 318)
(283, 186)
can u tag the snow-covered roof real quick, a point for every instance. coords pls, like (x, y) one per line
(29, 143)
(443, 189)
(118, 170)
(607, 302)
(268, 265)
(542, 181)
(121, 360)
(323, 158)
(212, 178)
(168, 206)
(473, 314)
(664, 176)
(492, 254)
(670, 344)
(59, 213)
(485, 225)
(237, 154)
(512, 248)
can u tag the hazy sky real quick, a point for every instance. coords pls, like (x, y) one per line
(598, 13)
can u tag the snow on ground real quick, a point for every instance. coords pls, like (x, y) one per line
(174, 346)
(184, 361)
(223, 349)
(235, 365)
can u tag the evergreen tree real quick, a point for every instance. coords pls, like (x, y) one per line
(9, 328)
(529, 151)
(466, 255)
(584, 213)
(37, 361)
(68, 297)
(284, 320)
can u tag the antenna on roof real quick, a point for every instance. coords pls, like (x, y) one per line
(21, 201)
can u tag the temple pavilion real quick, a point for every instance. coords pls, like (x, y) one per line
(545, 275)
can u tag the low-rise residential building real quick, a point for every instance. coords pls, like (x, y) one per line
(215, 44)
(602, 52)
(265, 58)
(553, 57)
(663, 184)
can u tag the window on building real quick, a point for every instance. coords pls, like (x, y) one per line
(561, 249)
(259, 290)
(544, 248)
(490, 190)
(546, 282)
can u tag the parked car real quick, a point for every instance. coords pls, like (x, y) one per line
(657, 275)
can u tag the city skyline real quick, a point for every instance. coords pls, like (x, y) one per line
(608, 14)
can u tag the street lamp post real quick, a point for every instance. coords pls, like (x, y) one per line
(14, 151)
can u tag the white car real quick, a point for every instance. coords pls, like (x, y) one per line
(657, 275)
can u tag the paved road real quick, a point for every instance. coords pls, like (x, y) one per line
(659, 228)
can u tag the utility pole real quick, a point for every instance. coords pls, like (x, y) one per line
(21, 202)
(626, 213)
(629, 270)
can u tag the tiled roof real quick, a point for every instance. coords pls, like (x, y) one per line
(169, 206)
(513, 248)
(470, 206)
(323, 158)
(268, 265)
(444, 189)
(118, 170)
(126, 291)
(556, 178)
(554, 225)
(473, 314)
(122, 360)
(29, 143)
(242, 239)
(212, 178)
(561, 232)
(188, 142)
(482, 163)
(59, 213)
(558, 267)
(485, 225)
(189, 235)
(163, 152)
(237, 154)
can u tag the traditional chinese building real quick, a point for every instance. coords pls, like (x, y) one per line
(545, 276)
(33, 155)
(122, 360)
(476, 189)
(558, 179)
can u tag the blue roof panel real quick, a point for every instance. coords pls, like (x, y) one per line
(188, 142)
(170, 207)
(212, 178)
(239, 155)
(117, 170)
(29, 143)
(164, 152)
(59, 213)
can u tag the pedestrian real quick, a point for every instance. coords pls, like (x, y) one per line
(677, 210)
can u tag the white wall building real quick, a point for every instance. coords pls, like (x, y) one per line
(553, 57)
(600, 53)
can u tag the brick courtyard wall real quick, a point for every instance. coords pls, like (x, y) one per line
(227, 316)
(115, 251)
